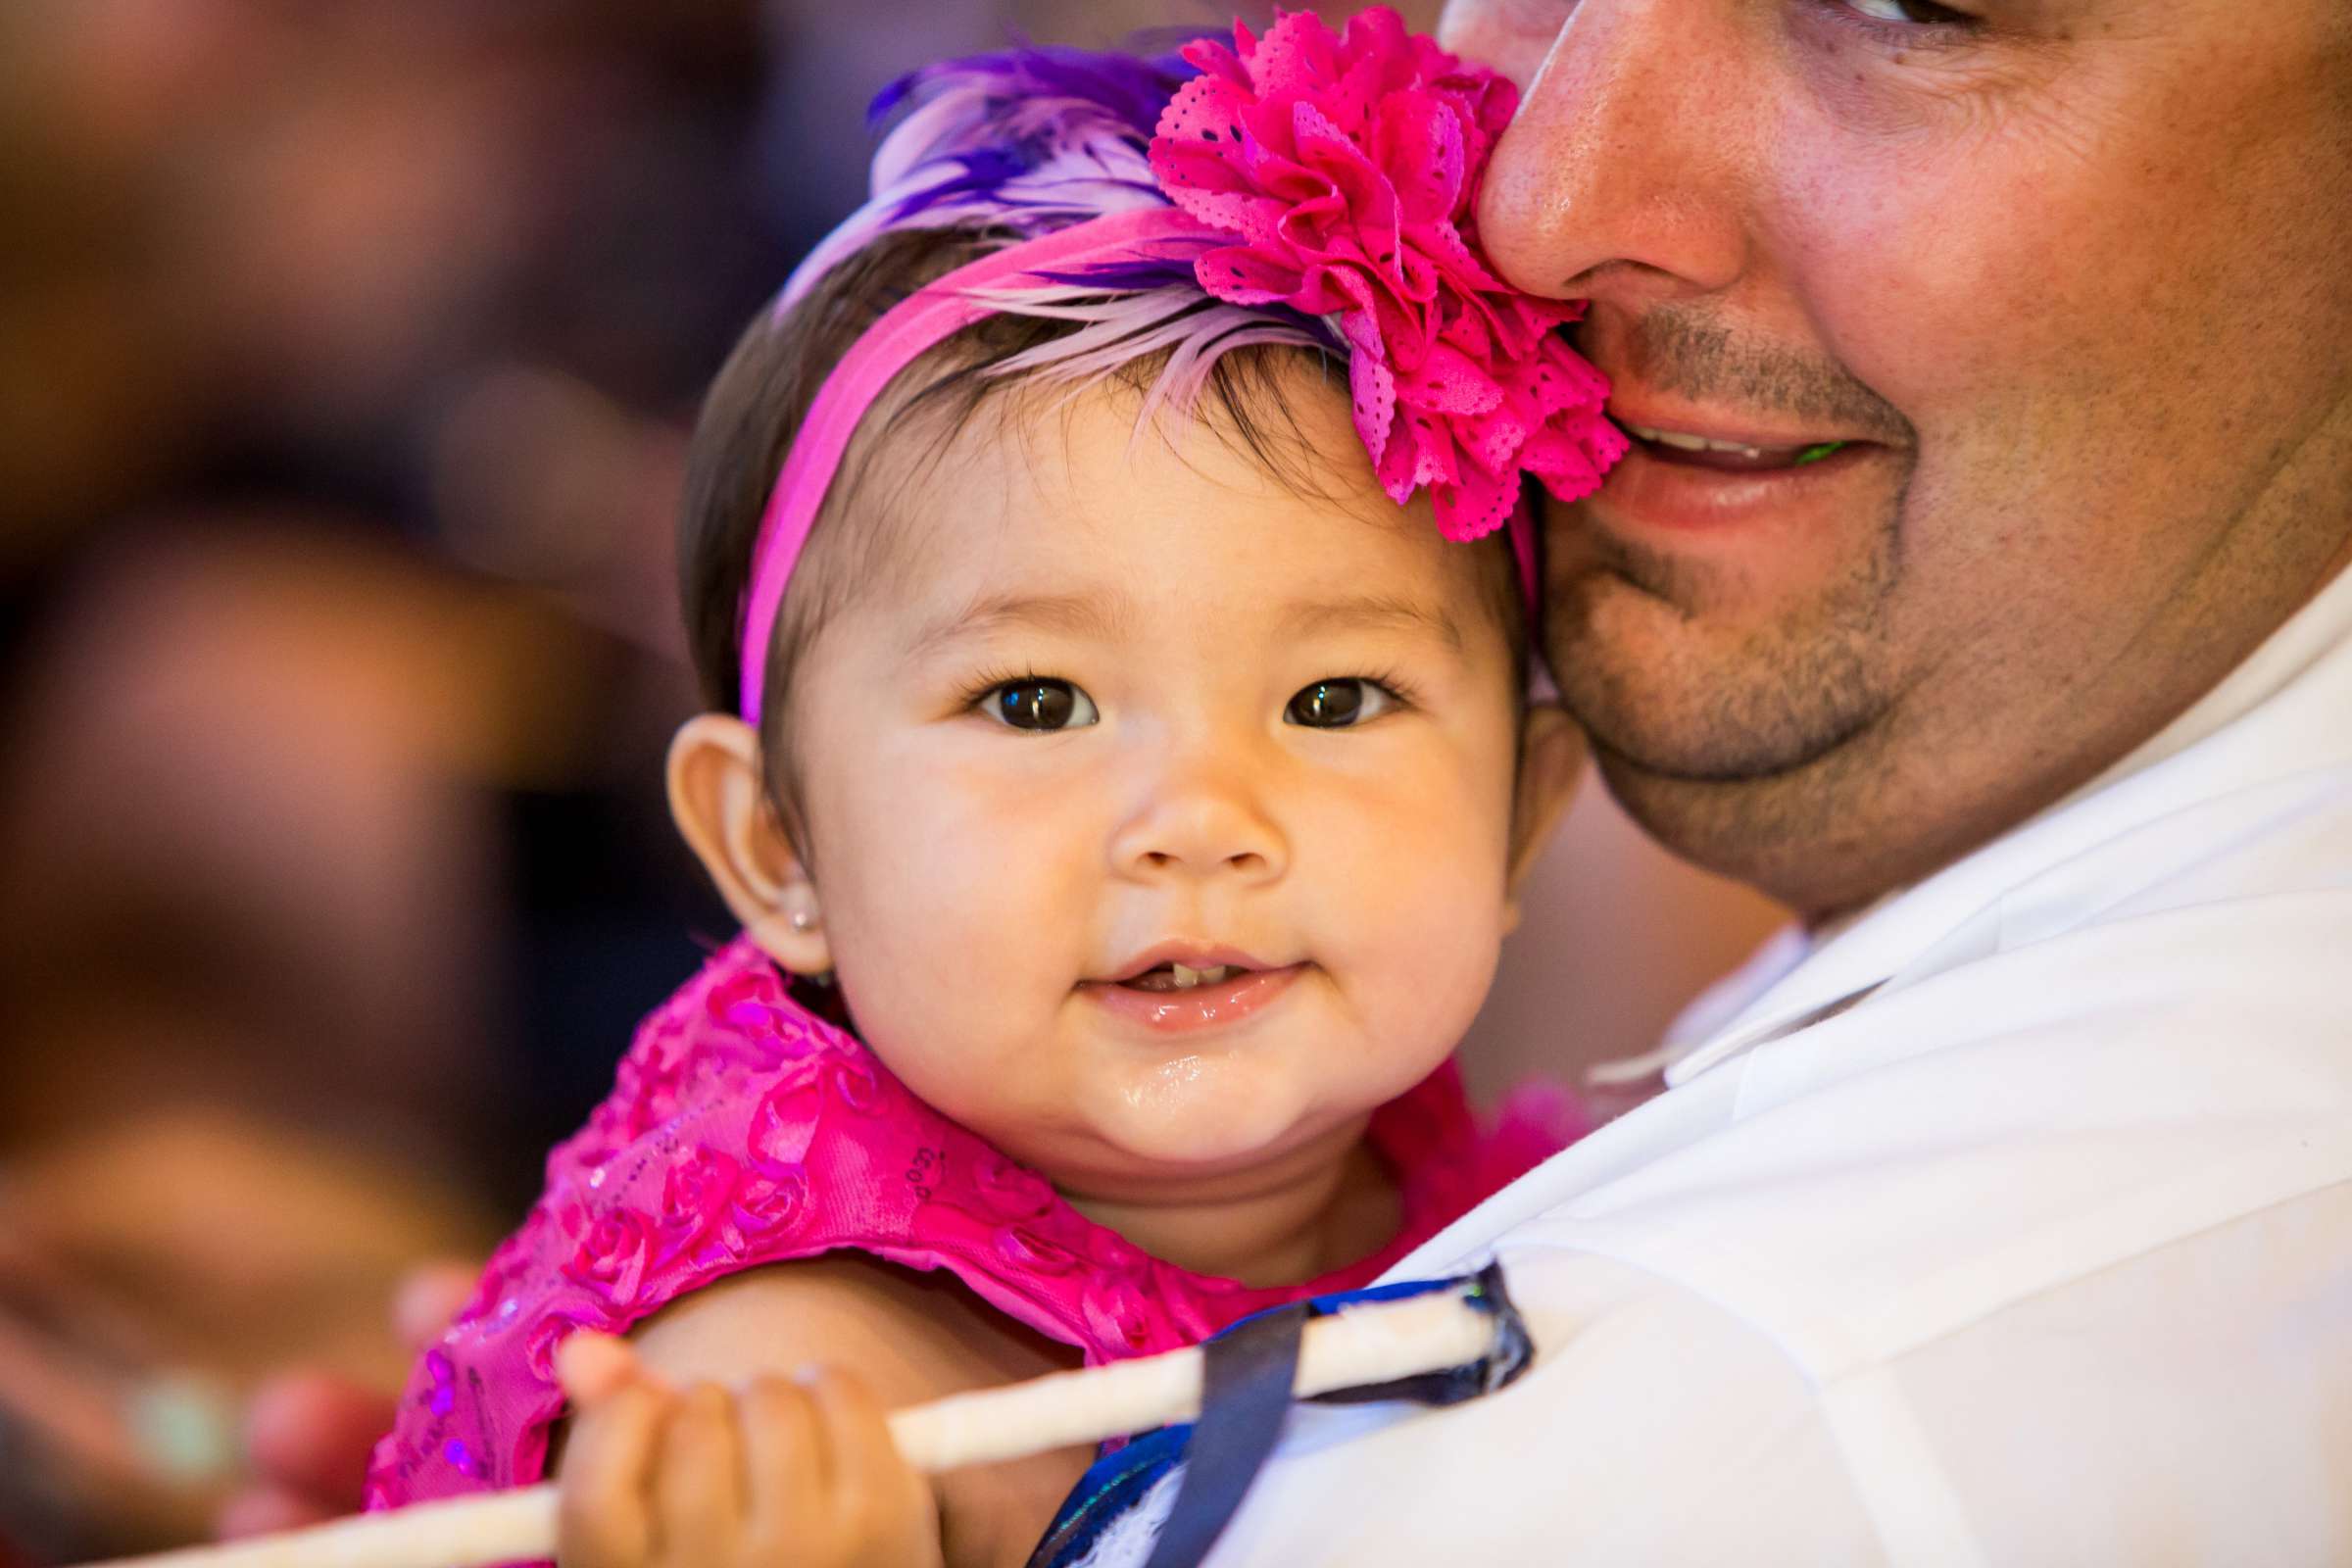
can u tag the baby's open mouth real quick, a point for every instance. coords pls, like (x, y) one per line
(1179, 987)
(1180, 965)
(1180, 977)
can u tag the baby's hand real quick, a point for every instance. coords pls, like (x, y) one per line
(783, 1474)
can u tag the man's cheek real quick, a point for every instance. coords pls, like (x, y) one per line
(1892, 268)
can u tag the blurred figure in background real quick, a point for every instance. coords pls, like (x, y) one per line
(346, 351)
(344, 348)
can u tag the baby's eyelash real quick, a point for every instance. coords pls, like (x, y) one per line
(981, 685)
(977, 690)
(1393, 684)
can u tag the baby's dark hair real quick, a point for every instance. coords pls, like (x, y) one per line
(763, 393)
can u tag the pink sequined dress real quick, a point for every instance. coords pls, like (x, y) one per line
(742, 1131)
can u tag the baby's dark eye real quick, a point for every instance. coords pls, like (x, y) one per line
(1339, 704)
(1040, 705)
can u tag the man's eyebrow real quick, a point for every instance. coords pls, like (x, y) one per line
(1383, 612)
(1105, 618)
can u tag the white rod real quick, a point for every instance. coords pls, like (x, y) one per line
(1374, 1343)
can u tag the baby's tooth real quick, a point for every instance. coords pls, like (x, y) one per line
(1679, 441)
(1185, 978)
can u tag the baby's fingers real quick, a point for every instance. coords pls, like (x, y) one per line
(784, 1464)
(698, 1485)
(605, 1512)
(877, 1509)
(593, 1366)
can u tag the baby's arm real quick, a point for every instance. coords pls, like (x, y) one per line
(903, 1339)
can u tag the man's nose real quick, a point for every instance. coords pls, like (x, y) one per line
(1200, 815)
(1620, 178)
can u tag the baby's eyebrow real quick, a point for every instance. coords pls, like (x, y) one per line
(1384, 611)
(1106, 618)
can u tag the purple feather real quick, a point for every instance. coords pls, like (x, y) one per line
(1125, 278)
(1026, 140)
(1131, 87)
(1030, 140)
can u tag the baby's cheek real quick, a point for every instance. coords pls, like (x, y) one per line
(1419, 999)
(1407, 992)
(958, 907)
(1421, 926)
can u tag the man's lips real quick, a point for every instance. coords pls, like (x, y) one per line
(1726, 474)
(1730, 457)
(1700, 442)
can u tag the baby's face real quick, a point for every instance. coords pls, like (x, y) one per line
(1160, 817)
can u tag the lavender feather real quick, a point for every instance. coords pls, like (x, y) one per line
(1024, 141)
(1021, 143)
(1132, 87)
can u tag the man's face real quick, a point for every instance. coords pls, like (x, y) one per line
(2072, 280)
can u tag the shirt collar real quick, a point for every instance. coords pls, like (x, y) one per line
(1798, 979)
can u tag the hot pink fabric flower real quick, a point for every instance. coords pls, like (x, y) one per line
(1347, 166)
(612, 1254)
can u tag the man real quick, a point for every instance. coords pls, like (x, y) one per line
(2002, 1215)
(1979, 588)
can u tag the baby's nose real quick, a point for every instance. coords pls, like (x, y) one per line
(1200, 826)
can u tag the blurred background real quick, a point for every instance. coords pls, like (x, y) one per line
(347, 350)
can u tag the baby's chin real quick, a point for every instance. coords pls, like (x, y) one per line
(1207, 1128)
(1211, 1116)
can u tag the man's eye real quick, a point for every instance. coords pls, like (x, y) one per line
(1040, 705)
(1339, 704)
(1918, 13)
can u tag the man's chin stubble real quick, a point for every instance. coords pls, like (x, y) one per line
(1760, 759)
(1642, 647)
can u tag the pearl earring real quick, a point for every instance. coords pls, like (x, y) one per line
(803, 920)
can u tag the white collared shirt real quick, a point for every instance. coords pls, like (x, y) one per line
(2010, 1225)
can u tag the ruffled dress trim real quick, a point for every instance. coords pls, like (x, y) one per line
(742, 1131)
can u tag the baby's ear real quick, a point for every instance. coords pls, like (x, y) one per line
(1551, 761)
(725, 816)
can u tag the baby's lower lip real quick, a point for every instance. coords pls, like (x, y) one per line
(1206, 1006)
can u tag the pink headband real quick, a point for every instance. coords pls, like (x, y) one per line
(915, 324)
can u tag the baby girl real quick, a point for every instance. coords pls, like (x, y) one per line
(1121, 773)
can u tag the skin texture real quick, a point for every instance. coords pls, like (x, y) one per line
(967, 883)
(808, 1476)
(970, 884)
(2073, 271)
(2080, 276)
